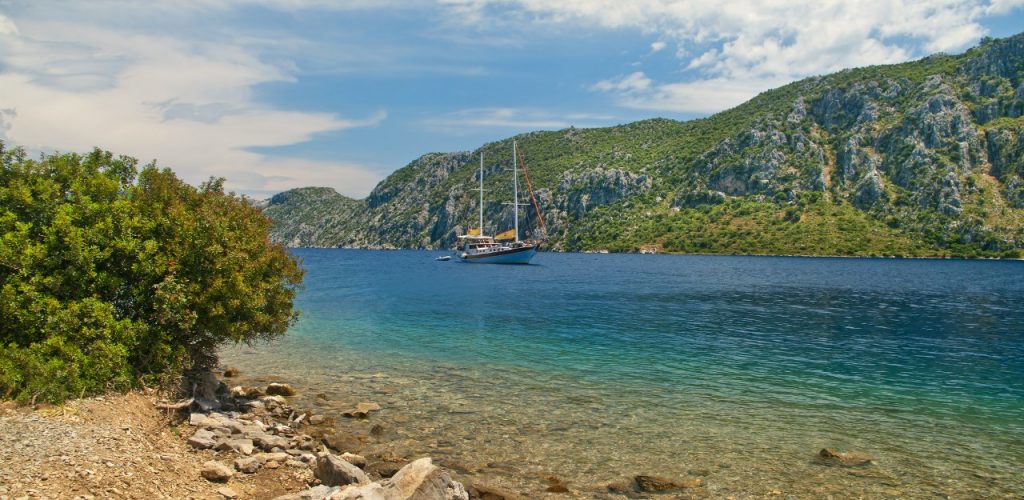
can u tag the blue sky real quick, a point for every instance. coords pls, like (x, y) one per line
(276, 94)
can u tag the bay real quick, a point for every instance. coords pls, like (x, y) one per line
(736, 370)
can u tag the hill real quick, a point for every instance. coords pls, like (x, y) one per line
(924, 158)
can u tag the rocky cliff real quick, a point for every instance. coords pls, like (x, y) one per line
(920, 158)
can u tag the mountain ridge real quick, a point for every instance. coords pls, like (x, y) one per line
(923, 158)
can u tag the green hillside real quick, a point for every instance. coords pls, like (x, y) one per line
(924, 158)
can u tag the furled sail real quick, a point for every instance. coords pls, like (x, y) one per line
(473, 232)
(507, 235)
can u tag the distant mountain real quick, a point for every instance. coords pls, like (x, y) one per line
(920, 158)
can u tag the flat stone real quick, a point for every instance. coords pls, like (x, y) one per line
(216, 472)
(248, 465)
(243, 446)
(333, 471)
(321, 493)
(316, 419)
(368, 407)
(269, 442)
(266, 458)
(227, 492)
(199, 420)
(202, 439)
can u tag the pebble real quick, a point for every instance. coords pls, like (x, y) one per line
(227, 492)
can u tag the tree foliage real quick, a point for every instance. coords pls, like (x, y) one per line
(110, 274)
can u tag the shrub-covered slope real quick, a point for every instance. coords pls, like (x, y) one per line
(920, 158)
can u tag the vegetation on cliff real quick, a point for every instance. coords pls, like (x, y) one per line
(924, 158)
(110, 275)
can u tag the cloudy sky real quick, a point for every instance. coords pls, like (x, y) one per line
(275, 94)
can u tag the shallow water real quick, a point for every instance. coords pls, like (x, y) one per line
(737, 370)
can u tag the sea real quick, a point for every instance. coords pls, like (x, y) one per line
(586, 370)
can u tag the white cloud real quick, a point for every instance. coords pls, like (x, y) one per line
(7, 27)
(187, 102)
(742, 45)
(658, 46)
(517, 119)
(629, 84)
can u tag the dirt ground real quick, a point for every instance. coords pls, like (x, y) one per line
(117, 446)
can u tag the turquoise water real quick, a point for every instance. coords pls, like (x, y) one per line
(734, 369)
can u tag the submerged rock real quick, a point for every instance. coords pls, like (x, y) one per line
(845, 458)
(655, 484)
(479, 491)
(277, 389)
(343, 442)
(362, 410)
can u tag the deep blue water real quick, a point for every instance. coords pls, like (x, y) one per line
(885, 354)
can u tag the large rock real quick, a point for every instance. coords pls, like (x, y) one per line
(333, 471)
(422, 480)
(216, 472)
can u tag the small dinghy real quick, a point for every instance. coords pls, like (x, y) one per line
(444, 258)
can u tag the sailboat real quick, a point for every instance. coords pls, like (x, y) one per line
(476, 247)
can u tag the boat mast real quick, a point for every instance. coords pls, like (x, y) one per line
(515, 191)
(481, 226)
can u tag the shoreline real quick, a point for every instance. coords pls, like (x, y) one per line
(241, 444)
(677, 254)
(244, 442)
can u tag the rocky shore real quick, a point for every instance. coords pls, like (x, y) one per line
(222, 443)
(249, 442)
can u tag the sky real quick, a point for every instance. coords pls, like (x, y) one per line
(278, 94)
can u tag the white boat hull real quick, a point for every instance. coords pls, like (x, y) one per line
(520, 255)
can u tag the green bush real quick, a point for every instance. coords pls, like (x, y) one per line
(110, 275)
